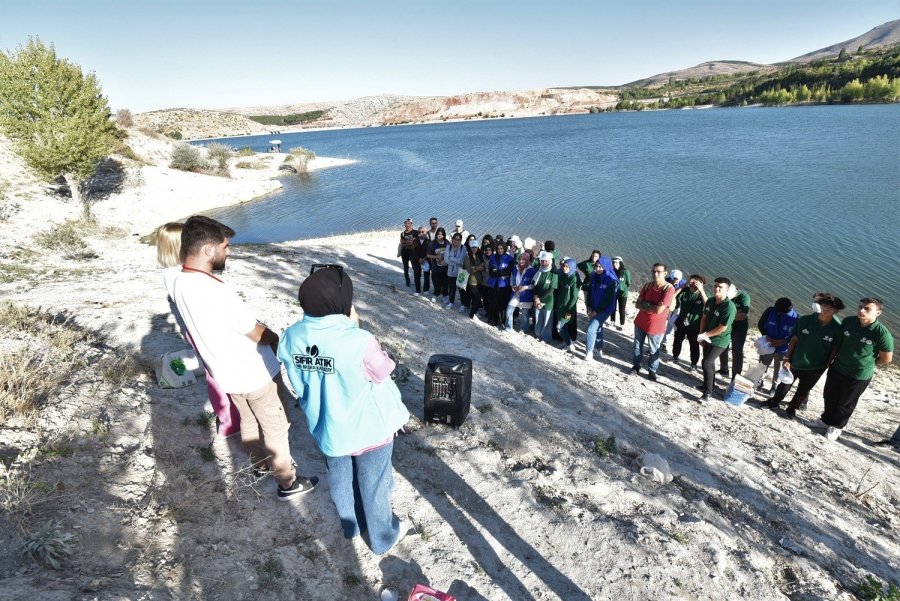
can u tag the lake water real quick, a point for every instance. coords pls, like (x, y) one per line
(784, 201)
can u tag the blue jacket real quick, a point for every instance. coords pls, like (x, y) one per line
(500, 267)
(780, 326)
(598, 296)
(345, 412)
(526, 296)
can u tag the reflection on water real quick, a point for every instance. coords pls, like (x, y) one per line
(783, 201)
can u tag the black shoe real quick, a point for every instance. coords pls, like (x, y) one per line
(301, 486)
(790, 413)
(651, 376)
(634, 370)
(694, 367)
(724, 374)
(704, 397)
(773, 405)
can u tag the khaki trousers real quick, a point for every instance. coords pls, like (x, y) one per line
(264, 428)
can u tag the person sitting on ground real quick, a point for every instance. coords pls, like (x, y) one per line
(420, 263)
(600, 299)
(454, 256)
(521, 282)
(776, 324)
(715, 332)
(565, 303)
(813, 342)
(624, 282)
(690, 312)
(653, 303)
(353, 409)
(238, 350)
(864, 343)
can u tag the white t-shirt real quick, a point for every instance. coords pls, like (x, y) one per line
(219, 321)
(169, 275)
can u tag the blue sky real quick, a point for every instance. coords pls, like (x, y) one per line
(204, 54)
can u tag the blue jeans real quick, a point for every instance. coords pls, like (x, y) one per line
(524, 315)
(361, 491)
(562, 326)
(654, 341)
(595, 332)
(543, 323)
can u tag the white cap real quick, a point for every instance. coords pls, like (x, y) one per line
(545, 256)
(459, 222)
(515, 239)
(529, 243)
(675, 275)
(473, 243)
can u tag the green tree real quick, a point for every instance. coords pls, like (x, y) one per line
(54, 114)
(853, 91)
(842, 55)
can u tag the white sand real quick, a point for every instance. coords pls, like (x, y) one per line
(515, 505)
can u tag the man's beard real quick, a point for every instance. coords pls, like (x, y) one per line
(218, 264)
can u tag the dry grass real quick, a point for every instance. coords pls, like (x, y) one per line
(26, 379)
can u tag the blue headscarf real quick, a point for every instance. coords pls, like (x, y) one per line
(608, 277)
(573, 268)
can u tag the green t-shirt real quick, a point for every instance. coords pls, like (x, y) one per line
(691, 309)
(544, 287)
(814, 342)
(742, 305)
(721, 314)
(624, 283)
(859, 347)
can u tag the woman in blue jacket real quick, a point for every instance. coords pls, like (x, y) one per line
(600, 299)
(500, 267)
(353, 408)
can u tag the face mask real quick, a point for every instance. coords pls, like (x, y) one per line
(817, 308)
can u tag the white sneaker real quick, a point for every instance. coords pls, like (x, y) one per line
(589, 358)
(818, 425)
(406, 528)
(833, 433)
(571, 348)
(415, 294)
(448, 306)
(462, 309)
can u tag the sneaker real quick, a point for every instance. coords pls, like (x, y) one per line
(619, 327)
(301, 486)
(694, 367)
(406, 529)
(463, 309)
(589, 358)
(571, 348)
(803, 406)
(476, 319)
(415, 294)
(818, 425)
(773, 405)
(651, 376)
(833, 433)
(408, 284)
(704, 397)
(724, 374)
(790, 413)
(634, 371)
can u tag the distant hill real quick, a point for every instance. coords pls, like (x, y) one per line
(196, 123)
(883, 35)
(711, 68)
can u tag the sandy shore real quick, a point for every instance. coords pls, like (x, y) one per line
(518, 504)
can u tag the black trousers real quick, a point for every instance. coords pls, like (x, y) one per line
(497, 301)
(406, 258)
(737, 354)
(710, 354)
(439, 279)
(841, 395)
(805, 379)
(475, 293)
(682, 333)
(620, 303)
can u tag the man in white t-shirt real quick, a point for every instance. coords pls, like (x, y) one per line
(237, 350)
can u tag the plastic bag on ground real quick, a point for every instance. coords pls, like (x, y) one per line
(656, 468)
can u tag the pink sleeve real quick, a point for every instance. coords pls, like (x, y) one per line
(376, 362)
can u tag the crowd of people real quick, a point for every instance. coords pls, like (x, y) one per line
(527, 286)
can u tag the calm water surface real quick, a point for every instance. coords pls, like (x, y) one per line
(784, 201)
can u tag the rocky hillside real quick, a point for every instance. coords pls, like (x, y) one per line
(702, 70)
(886, 34)
(194, 123)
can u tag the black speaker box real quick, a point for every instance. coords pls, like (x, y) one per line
(448, 390)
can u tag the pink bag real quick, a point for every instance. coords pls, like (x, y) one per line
(426, 593)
